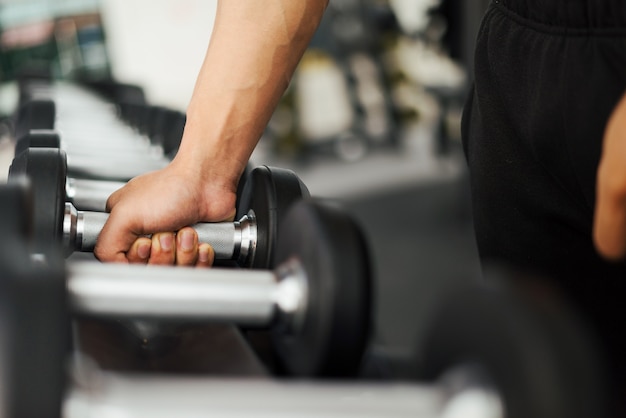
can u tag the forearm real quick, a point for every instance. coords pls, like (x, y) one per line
(254, 49)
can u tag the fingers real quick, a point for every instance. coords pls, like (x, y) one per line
(186, 247)
(140, 251)
(163, 250)
(115, 240)
(167, 248)
(206, 256)
(191, 253)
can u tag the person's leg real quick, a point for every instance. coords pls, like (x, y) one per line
(532, 134)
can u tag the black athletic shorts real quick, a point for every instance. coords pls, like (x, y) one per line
(547, 76)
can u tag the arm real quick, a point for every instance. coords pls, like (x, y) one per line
(610, 214)
(254, 49)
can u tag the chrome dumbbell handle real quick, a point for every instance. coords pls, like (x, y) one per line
(250, 297)
(89, 194)
(230, 240)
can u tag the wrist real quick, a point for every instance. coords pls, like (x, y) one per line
(210, 154)
(212, 191)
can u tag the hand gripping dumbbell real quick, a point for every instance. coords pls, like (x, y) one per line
(316, 302)
(250, 241)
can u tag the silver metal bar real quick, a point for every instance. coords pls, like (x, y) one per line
(227, 295)
(160, 397)
(93, 167)
(220, 235)
(90, 194)
(88, 228)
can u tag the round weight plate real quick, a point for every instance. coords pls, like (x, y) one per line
(16, 207)
(333, 335)
(47, 171)
(172, 133)
(35, 114)
(38, 139)
(242, 183)
(34, 325)
(269, 192)
(535, 351)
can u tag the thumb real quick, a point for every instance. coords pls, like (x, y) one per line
(115, 240)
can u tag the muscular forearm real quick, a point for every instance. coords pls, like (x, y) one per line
(254, 49)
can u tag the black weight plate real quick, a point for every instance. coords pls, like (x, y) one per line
(46, 169)
(34, 325)
(269, 192)
(335, 331)
(16, 208)
(172, 134)
(43, 138)
(35, 114)
(242, 183)
(538, 354)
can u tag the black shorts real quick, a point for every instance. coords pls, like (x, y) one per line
(547, 76)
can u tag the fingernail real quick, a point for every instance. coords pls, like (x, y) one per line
(187, 241)
(143, 251)
(203, 254)
(166, 241)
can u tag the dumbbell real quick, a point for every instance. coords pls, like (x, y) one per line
(250, 241)
(163, 126)
(84, 194)
(116, 91)
(34, 114)
(316, 301)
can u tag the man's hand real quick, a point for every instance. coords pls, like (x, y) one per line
(156, 204)
(609, 230)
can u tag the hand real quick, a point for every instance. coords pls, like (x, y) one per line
(609, 230)
(158, 203)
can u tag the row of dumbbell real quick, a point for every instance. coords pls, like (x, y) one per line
(70, 210)
(99, 143)
(251, 242)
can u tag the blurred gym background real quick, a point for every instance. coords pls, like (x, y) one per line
(371, 118)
